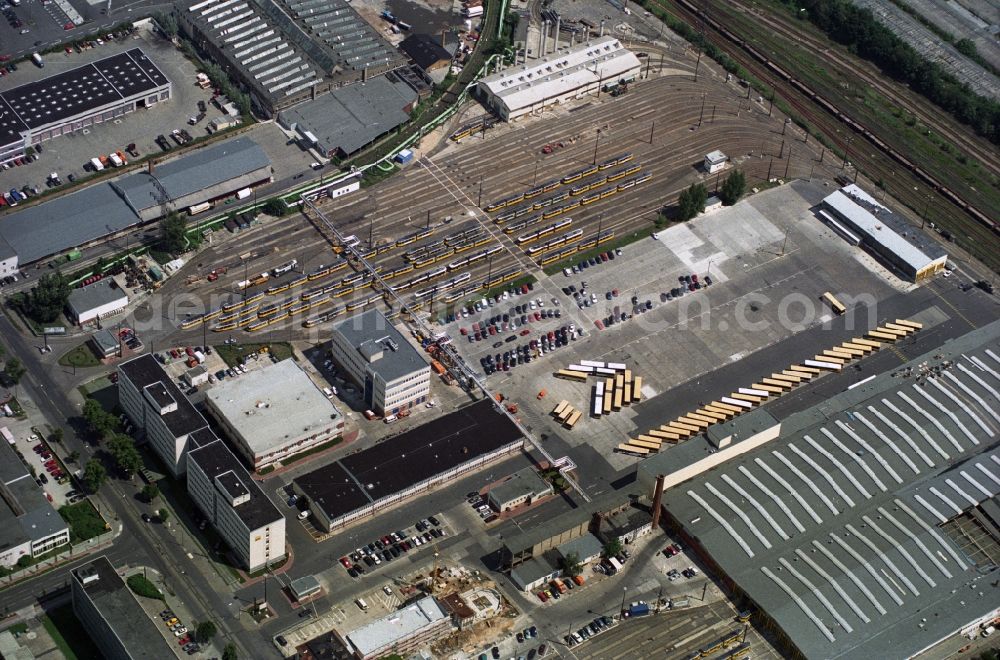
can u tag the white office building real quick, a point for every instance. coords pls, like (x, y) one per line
(568, 73)
(393, 375)
(155, 404)
(236, 506)
(274, 413)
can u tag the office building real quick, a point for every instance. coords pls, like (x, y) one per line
(155, 404)
(393, 375)
(112, 616)
(274, 413)
(236, 506)
(29, 526)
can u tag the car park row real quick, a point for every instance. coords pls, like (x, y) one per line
(391, 546)
(180, 631)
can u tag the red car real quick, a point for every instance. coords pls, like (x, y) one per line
(183, 641)
(542, 597)
(189, 351)
(463, 331)
(50, 463)
(524, 332)
(346, 562)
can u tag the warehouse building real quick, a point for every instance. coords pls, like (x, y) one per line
(534, 573)
(283, 53)
(29, 525)
(74, 100)
(274, 413)
(568, 73)
(586, 549)
(91, 303)
(154, 404)
(108, 209)
(860, 220)
(366, 482)
(850, 531)
(236, 506)
(393, 375)
(342, 121)
(403, 632)
(426, 52)
(112, 616)
(523, 487)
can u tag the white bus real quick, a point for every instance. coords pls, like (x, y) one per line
(199, 208)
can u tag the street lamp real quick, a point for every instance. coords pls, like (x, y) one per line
(622, 608)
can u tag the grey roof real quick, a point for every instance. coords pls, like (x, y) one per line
(583, 547)
(271, 406)
(304, 586)
(89, 214)
(95, 295)
(518, 540)
(105, 340)
(396, 626)
(121, 610)
(857, 207)
(523, 482)
(6, 251)
(365, 330)
(25, 512)
(348, 118)
(424, 50)
(835, 528)
(199, 171)
(216, 460)
(144, 371)
(534, 569)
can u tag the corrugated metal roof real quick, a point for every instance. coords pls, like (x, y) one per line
(833, 528)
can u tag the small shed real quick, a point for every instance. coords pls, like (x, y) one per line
(196, 376)
(304, 587)
(105, 344)
(715, 161)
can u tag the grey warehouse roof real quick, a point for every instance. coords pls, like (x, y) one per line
(216, 460)
(525, 482)
(583, 547)
(348, 118)
(94, 295)
(535, 568)
(273, 405)
(106, 208)
(837, 528)
(364, 330)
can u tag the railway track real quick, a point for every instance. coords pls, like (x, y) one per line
(973, 229)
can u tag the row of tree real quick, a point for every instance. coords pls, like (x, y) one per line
(119, 447)
(46, 300)
(858, 29)
(691, 201)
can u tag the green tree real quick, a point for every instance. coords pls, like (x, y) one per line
(691, 202)
(275, 207)
(150, 492)
(571, 564)
(163, 515)
(25, 561)
(204, 631)
(144, 587)
(125, 455)
(56, 435)
(229, 652)
(612, 548)
(46, 301)
(174, 229)
(733, 188)
(14, 370)
(94, 475)
(168, 24)
(100, 421)
(73, 456)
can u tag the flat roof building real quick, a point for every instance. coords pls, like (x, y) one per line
(96, 301)
(104, 210)
(859, 219)
(274, 413)
(112, 616)
(426, 52)
(105, 343)
(715, 161)
(523, 487)
(848, 532)
(568, 73)
(533, 573)
(154, 403)
(343, 120)
(393, 375)
(401, 632)
(587, 548)
(77, 99)
(236, 506)
(29, 525)
(361, 484)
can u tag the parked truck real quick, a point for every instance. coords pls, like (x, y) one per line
(96, 164)
(639, 608)
(437, 367)
(115, 159)
(558, 584)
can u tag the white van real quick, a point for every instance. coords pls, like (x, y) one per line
(390, 419)
(303, 514)
(360, 602)
(328, 392)
(989, 630)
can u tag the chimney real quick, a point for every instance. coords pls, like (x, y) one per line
(602, 28)
(555, 45)
(312, 95)
(541, 42)
(545, 38)
(149, 166)
(657, 498)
